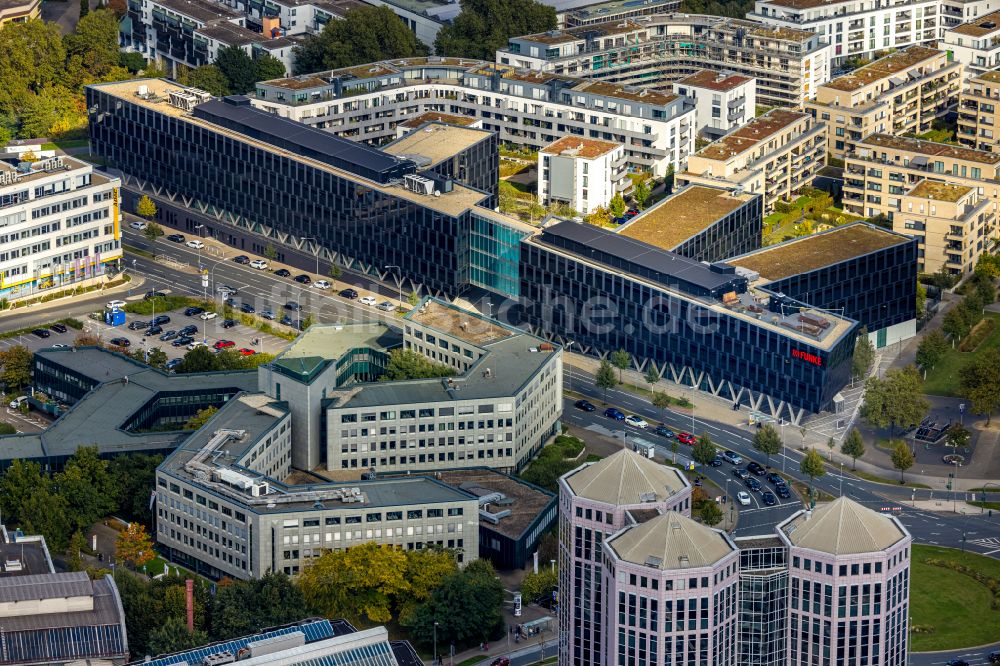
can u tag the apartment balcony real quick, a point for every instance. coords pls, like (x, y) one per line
(851, 183)
(954, 238)
(856, 198)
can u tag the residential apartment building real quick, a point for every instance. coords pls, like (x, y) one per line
(857, 28)
(615, 10)
(902, 93)
(975, 44)
(787, 63)
(723, 101)
(583, 174)
(528, 108)
(59, 225)
(953, 225)
(596, 501)
(774, 155)
(978, 126)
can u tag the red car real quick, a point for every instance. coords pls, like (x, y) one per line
(223, 344)
(246, 352)
(501, 661)
(686, 438)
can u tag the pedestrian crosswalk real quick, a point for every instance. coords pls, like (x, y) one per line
(991, 544)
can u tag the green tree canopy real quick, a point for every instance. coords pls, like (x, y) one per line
(902, 458)
(88, 488)
(93, 46)
(201, 418)
(896, 400)
(979, 382)
(243, 607)
(132, 61)
(408, 364)
(652, 376)
(622, 360)
(172, 635)
(704, 450)
(864, 354)
(134, 476)
(956, 322)
(641, 194)
(617, 205)
(366, 34)
(145, 207)
(812, 465)
(957, 435)
(484, 26)
(605, 377)
(16, 363)
(988, 265)
(267, 67)
(932, 348)
(767, 441)
(237, 66)
(199, 359)
(710, 513)
(208, 78)
(854, 446)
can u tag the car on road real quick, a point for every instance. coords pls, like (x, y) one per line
(386, 306)
(195, 344)
(159, 320)
(686, 438)
(664, 431)
(205, 316)
(224, 344)
(42, 332)
(283, 272)
(349, 294)
(153, 330)
(58, 328)
(293, 306)
(120, 342)
(303, 279)
(168, 336)
(782, 491)
(636, 422)
(743, 497)
(182, 341)
(139, 226)
(228, 323)
(242, 259)
(193, 311)
(994, 657)
(112, 305)
(176, 238)
(244, 351)
(259, 264)
(173, 363)
(60, 346)
(149, 295)
(247, 308)
(716, 461)
(195, 243)
(226, 290)
(769, 498)
(17, 402)
(137, 325)
(267, 314)
(613, 413)
(190, 329)
(740, 473)
(775, 479)
(756, 468)
(322, 284)
(752, 483)
(368, 300)
(957, 662)
(732, 457)
(585, 406)
(500, 661)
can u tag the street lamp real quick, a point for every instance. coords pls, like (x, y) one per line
(841, 479)
(317, 251)
(489, 304)
(399, 282)
(435, 641)
(198, 228)
(694, 387)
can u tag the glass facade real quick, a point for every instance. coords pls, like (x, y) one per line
(495, 256)
(763, 615)
(737, 233)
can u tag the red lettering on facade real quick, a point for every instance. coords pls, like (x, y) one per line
(807, 357)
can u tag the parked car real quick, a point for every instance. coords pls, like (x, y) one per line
(42, 332)
(168, 336)
(743, 497)
(386, 306)
(293, 306)
(242, 259)
(190, 329)
(139, 226)
(782, 491)
(224, 344)
(349, 294)
(247, 308)
(775, 479)
(267, 314)
(585, 405)
(283, 272)
(195, 243)
(756, 468)
(195, 344)
(716, 461)
(367, 300)
(994, 657)
(176, 238)
(114, 305)
(322, 284)
(303, 279)
(752, 483)
(58, 328)
(173, 363)
(121, 342)
(740, 473)
(149, 295)
(153, 330)
(182, 341)
(137, 325)
(500, 661)
(686, 438)
(159, 320)
(244, 351)
(769, 498)
(732, 457)
(664, 431)
(613, 413)
(228, 323)
(636, 422)
(205, 316)
(193, 311)
(17, 402)
(259, 264)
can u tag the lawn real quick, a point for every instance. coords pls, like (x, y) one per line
(881, 479)
(65, 144)
(942, 379)
(956, 608)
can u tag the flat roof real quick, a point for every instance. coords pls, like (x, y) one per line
(989, 77)
(746, 137)
(460, 323)
(883, 68)
(453, 203)
(809, 253)
(23, 555)
(200, 10)
(766, 31)
(528, 502)
(438, 117)
(979, 27)
(676, 219)
(578, 146)
(231, 33)
(930, 148)
(614, 6)
(933, 189)
(625, 92)
(436, 142)
(805, 4)
(713, 80)
(583, 32)
(104, 612)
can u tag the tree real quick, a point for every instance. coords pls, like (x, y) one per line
(244, 607)
(145, 208)
(132, 61)
(152, 231)
(16, 485)
(134, 546)
(134, 475)
(86, 340)
(979, 382)
(238, 69)
(199, 359)
(617, 205)
(86, 485)
(986, 290)
(200, 418)
(622, 360)
(427, 568)
(84, 8)
(921, 300)
(366, 34)
(652, 376)
(408, 364)
(675, 448)
(601, 217)
(812, 465)
(830, 444)
(896, 400)
(33, 59)
(710, 513)
(605, 377)
(208, 78)
(335, 272)
(988, 266)
(484, 26)
(267, 67)
(902, 458)
(957, 436)
(539, 584)
(864, 354)
(74, 559)
(931, 349)
(155, 357)
(641, 194)
(16, 363)
(767, 441)
(854, 446)
(92, 47)
(271, 252)
(413, 299)
(704, 450)
(361, 583)
(172, 635)
(956, 323)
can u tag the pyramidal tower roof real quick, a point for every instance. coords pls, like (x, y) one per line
(625, 478)
(843, 527)
(672, 541)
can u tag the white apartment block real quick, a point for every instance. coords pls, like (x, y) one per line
(584, 174)
(527, 108)
(59, 225)
(723, 101)
(653, 51)
(975, 44)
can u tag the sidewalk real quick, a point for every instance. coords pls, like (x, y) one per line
(98, 294)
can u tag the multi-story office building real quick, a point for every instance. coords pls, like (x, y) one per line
(774, 155)
(595, 501)
(59, 225)
(583, 174)
(975, 44)
(787, 63)
(953, 225)
(978, 121)
(528, 108)
(262, 179)
(849, 583)
(723, 101)
(763, 611)
(856, 29)
(902, 93)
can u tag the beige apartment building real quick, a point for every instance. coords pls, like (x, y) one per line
(899, 94)
(774, 155)
(977, 113)
(951, 223)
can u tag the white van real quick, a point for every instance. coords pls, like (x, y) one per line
(17, 402)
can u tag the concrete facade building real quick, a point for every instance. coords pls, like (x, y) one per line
(723, 101)
(787, 63)
(975, 44)
(902, 93)
(978, 121)
(774, 155)
(59, 225)
(583, 174)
